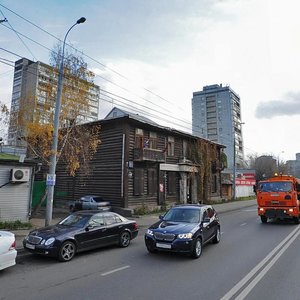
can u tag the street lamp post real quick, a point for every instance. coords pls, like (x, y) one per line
(52, 168)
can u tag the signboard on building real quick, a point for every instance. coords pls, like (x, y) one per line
(245, 177)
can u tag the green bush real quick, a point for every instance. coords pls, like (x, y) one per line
(15, 225)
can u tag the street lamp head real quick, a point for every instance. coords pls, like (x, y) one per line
(81, 20)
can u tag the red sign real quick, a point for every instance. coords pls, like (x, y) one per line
(245, 179)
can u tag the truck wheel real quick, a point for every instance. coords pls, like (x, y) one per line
(264, 219)
(296, 220)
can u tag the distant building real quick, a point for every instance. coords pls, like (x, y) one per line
(34, 86)
(293, 166)
(216, 116)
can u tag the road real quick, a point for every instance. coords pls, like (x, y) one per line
(252, 261)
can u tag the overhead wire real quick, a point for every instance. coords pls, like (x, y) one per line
(91, 58)
(117, 98)
(117, 85)
(16, 34)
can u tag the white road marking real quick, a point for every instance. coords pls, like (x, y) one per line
(243, 224)
(115, 270)
(252, 209)
(267, 263)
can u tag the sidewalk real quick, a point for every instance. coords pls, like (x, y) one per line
(143, 221)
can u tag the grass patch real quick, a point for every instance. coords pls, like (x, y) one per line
(145, 210)
(15, 225)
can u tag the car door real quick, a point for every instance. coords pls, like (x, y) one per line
(114, 227)
(95, 234)
(208, 229)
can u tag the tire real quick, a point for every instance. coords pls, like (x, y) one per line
(296, 220)
(197, 248)
(67, 251)
(124, 239)
(72, 208)
(151, 250)
(217, 236)
(263, 219)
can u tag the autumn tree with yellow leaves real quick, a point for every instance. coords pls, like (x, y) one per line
(76, 143)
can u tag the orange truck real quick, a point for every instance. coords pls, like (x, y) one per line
(279, 198)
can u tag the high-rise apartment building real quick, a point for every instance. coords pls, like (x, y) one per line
(34, 95)
(216, 116)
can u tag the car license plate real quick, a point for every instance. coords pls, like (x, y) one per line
(274, 195)
(165, 246)
(29, 246)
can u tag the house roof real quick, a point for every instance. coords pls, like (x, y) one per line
(117, 113)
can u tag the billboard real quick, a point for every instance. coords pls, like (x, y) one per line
(245, 177)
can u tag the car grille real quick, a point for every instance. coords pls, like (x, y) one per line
(275, 202)
(167, 237)
(34, 239)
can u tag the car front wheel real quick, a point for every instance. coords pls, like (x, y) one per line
(217, 236)
(67, 251)
(124, 240)
(197, 250)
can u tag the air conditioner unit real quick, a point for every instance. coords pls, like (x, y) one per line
(20, 175)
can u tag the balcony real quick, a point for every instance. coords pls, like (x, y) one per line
(146, 154)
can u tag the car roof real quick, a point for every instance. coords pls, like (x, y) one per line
(92, 212)
(192, 206)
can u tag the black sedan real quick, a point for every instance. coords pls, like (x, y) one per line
(184, 229)
(80, 231)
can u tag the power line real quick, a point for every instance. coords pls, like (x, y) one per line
(17, 34)
(96, 75)
(91, 58)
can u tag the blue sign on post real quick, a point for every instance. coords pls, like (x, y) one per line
(50, 180)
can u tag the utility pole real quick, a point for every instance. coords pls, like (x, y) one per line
(51, 176)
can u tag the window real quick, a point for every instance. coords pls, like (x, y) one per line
(152, 182)
(96, 220)
(139, 137)
(170, 146)
(110, 219)
(138, 181)
(171, 177)
(214, 184)
(153, 140)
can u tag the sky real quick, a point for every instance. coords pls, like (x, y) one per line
(151, 55)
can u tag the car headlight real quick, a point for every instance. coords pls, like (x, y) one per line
(149, 232)
(50, 241)
(185, 235)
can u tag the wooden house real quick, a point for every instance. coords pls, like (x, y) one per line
(140, 163)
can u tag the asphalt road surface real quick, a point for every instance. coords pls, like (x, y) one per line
(252, 261)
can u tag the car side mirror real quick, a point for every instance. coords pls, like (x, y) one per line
(161, 217)
(89, 227)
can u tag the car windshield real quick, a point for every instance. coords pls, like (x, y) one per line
(183, 215)
(276, 186)
(75, 220)
(98, 199)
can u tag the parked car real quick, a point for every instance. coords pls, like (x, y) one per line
(80, 231)
(8, 252)
(90, 202)
(184, 229)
